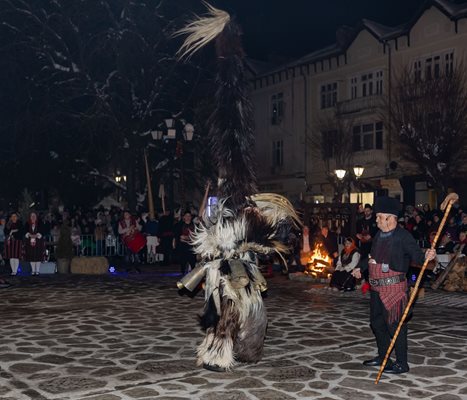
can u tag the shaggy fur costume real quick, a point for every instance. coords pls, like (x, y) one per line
(246, 223)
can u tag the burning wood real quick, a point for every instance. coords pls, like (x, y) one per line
(318, 263)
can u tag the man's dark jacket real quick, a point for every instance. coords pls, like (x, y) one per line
(404, 251)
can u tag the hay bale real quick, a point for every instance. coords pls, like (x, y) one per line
(455, 279)
(89, 265)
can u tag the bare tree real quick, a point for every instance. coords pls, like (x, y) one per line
(333, 143)
(429, 117)
(93, 79)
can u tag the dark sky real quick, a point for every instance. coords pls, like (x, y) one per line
(286, 29)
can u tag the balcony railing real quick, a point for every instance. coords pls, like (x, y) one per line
(361, 104)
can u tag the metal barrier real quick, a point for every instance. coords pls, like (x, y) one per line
(88, 245)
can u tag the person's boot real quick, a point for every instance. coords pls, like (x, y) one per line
(376, 362)
(214, 367)
(397, 368)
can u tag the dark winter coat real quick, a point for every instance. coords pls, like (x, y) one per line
(404, 251)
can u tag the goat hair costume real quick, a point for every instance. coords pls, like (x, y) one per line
(245, 223)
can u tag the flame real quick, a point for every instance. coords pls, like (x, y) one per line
(318, 262)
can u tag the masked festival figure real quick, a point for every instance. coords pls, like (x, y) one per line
(245, 223)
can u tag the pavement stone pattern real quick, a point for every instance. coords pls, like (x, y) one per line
(134, 337)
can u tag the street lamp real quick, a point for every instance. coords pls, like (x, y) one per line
(340, 173)
(119, 179)
(358, 171)
(174, 132)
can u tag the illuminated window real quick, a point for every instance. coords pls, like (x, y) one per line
(277, 108)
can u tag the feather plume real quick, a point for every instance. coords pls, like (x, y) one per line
(231, 122)
(201, 31)
(276, 208)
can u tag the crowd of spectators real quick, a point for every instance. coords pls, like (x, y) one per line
(94, 230)
(423, 223)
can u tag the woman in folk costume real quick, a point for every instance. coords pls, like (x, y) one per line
(13, 242)
(34, 243)
(245, 224)
(349, 258)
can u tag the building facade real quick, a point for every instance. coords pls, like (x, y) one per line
(327, 110)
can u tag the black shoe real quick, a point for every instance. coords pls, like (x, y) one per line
(397, 369)
(376, 362)
(214, 367)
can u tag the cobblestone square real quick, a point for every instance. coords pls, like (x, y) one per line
(133, 336)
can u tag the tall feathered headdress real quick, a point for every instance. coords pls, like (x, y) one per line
(245, 221)
(231, 122)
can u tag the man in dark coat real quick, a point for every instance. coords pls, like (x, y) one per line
(329, 240)
(183, 232)
(392, 251)
(366, 230)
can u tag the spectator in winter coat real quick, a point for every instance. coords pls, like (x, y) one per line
(349, 258)
(329, 240)
(14, 242)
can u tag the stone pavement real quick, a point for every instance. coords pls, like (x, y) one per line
(133, 337)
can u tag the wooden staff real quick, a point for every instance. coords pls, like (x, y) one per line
(447, 204)
(152, 214)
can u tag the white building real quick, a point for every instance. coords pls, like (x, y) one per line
(349, 81)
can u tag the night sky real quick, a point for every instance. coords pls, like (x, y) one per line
(280, 30)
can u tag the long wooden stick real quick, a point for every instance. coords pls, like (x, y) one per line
(450, 199)
(152, 214)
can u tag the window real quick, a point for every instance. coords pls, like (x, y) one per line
(434, 66)
(448, 62)
(379, 82)
(367, 84)
(417, 68)
(328, 95)
(356, 145)
(368, 136)
(364, 80)
(277, 108)
(428, 68)
(278, 153)
(354, 87)
(328, 140)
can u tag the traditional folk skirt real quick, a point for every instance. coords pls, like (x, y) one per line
(13, 248)
(34, 253)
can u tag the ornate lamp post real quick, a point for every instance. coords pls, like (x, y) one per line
(174, 133)
(357, 172)
(119, 179)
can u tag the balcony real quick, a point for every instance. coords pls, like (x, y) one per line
(360, 105)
